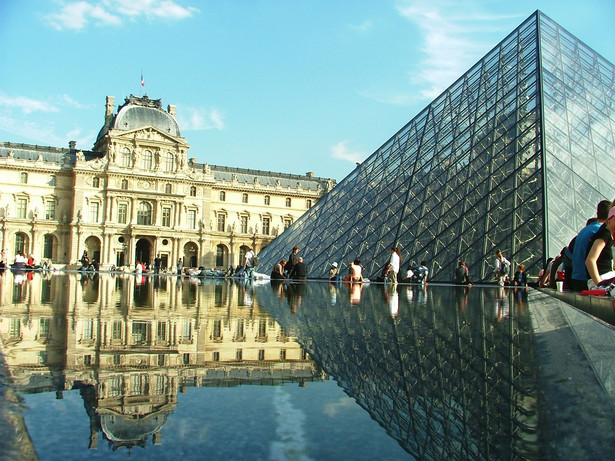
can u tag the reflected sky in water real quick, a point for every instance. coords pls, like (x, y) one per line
(114, 366)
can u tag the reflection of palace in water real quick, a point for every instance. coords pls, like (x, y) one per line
(129, 344)
(449, 373)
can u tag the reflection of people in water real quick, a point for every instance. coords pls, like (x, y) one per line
(461, 296)
(355, 292)
(294, 294)
(392, 298)
(502, 308)
(277, 286)
(521, 298)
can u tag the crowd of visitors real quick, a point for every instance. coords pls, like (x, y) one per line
(586, 263)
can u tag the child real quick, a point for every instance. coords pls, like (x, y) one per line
(520, 276)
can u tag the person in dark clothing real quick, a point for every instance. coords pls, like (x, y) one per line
(461, 274)
(157, 264)
(292, 260)
(278, 271)
(300, 271)
(520, 278)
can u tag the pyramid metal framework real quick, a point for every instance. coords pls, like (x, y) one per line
(514, 155)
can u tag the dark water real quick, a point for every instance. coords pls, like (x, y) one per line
(117, 367)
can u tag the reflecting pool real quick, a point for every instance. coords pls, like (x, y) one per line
(114, 366)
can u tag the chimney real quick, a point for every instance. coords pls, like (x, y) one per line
(109, 110)
(171, 110)
(72, 145)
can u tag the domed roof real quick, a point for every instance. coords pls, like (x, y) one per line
(141, 112)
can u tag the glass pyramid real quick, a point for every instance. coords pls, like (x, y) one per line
(514, 155)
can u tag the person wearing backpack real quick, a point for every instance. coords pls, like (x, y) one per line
(501, 269)
(248, 263)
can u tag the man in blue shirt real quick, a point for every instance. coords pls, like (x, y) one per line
(579, 254)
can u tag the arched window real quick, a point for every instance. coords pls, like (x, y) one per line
(169, 161)
(222, 196)
(267, 200)
(147, 160)
(244, 198)
(308, 204)
(144, 214)
(168, 188)
(288, 201)
(192, 191)
(23, 177)
(48, 246)
(20, 242)
(52, 179)
(125, 158)
(221, 252)
(124, 184)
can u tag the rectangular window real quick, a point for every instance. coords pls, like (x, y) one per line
(139, 333)
(15, 328)
(262, 329)
(94, 206)
(88, 329)
(287, 223)
(43, 328)
(186, 333)
(114, 384)
(117, 330)
(221, 222)
(22, 206)
(217, 329)
(166, 216)
(161, 333)
(159, 385)
(240, 333)
(266, 223)
(122, 213)
(244, 225)
(192, 219)
(50, 209)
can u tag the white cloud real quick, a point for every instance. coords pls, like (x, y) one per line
(342, 152)
(197, 119)
(165, 9)
(26, 105)
(70, 102)
(332, 409)
(78, 15)
(453, 38)
(361, 28)
(40, 133)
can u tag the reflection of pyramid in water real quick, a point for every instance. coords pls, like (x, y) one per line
(496, 161)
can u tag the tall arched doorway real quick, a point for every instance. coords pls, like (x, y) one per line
(222, 256)
(143, 251)
(92, 245)
(191, 251)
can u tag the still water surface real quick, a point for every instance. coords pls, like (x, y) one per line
(116, 367)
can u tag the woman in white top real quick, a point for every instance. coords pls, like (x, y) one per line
(394, 264)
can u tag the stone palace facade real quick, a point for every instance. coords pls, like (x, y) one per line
(137, 194)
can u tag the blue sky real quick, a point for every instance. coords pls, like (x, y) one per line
(279, 85)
